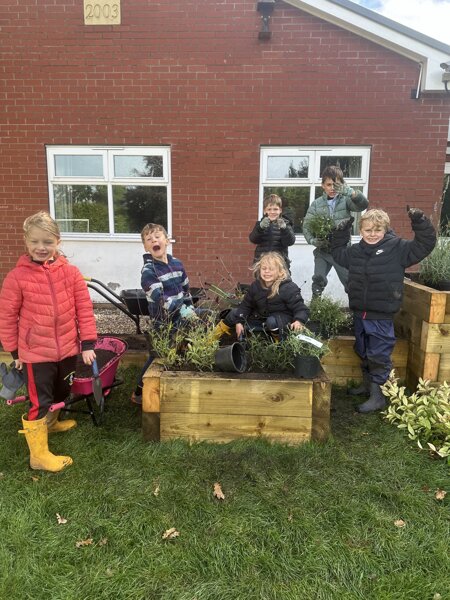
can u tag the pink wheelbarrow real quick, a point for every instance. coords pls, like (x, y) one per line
(83, 387)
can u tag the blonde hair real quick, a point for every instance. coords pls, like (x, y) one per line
(377, 217)
(272, 199)
(278, 261)
(42, 220)
(150, 227)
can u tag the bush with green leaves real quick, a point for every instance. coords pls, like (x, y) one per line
(200, 345)
(320, 226)
(435, 268)
(330, 315)
(190, 345)
(267, 356)
(424, 415)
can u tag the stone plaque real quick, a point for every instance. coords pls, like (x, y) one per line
(102, 12)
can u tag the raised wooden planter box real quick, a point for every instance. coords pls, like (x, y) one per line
(343, 365)
(221, 407)
(424, 321)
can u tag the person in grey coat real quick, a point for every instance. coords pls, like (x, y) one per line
(337, 201)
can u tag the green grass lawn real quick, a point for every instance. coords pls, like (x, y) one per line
(311, 522)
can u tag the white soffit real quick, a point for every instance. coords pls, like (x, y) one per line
(385, 32)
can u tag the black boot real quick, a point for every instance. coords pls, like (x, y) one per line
(364, 388)
(376, 401)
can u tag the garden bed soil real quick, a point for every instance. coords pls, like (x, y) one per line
(83, 371)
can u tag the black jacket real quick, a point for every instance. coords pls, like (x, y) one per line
(273, 239)
(288, 301)
(376, 272)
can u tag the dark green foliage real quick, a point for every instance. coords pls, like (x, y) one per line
(330, 315)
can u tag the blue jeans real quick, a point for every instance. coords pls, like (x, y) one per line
(374, 343)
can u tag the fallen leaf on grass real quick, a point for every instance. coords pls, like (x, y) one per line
(60, 520)
(218, 492)
(156, 491)
(440, 494)
(437, 596)
(82, 543)
(109, 572)
(34, 478)
(290, 517)
(399, 523)
(103, 542)
(170, 534)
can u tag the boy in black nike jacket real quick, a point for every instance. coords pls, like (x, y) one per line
(376, 267)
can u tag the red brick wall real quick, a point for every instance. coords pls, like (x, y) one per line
(193, 74)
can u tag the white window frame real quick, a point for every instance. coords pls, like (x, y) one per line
(314, 179)
(108, 153)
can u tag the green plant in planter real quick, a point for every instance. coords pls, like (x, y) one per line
(435, 268)
(330, 315)
(190, 345)
(201, 346)
(320, 226)
(270, 357)
(165, 342)
(424, 415)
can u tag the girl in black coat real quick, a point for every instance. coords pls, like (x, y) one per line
(273, 301)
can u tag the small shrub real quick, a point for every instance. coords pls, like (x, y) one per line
(424, 415)
(267, 356)
(330, 315)
(165, 341)
(435, 268)
(190, 345)
(320, 226)
(201, 346)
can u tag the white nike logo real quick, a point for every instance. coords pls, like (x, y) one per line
(379, 251)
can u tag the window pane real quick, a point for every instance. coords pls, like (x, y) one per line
(295, 203)
(287, 167)
(350, 165)
(78, 166)
(134, 206)
(138, 166)
(81, 208)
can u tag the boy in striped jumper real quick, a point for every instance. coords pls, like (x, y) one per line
(163, 278)
(165, 284)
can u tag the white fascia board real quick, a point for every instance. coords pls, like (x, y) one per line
(430, 58)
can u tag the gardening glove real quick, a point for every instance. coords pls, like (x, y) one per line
(321, 244)
(281, 223)
(187, 312)
(342, 189)
(264, 223)
(415, 214)
(12, 381)
(345, 224)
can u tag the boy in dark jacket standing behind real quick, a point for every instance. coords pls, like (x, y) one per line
(274, 233)
(375, 288)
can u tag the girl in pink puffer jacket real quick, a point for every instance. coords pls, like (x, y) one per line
(47, 314)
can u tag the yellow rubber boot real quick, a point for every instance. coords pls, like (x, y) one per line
(55, 426)
(220, 329)
(37, 439)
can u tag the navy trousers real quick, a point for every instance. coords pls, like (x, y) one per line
(374, 343)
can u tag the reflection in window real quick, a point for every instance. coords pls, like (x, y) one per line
(138, 166)
(351, 166)
(134, 206)
(295, 203)
(81, 208)
(287, 167)
(78, 165)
